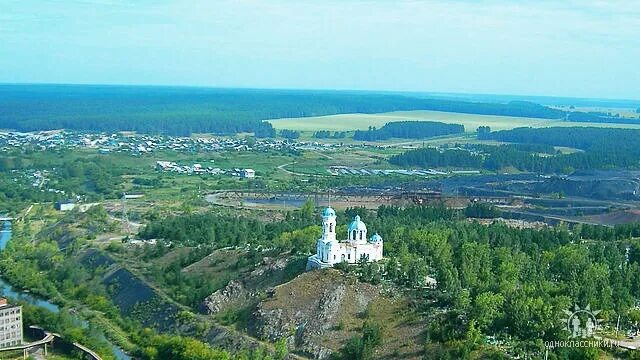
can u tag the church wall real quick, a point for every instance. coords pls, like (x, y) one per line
(330, 252)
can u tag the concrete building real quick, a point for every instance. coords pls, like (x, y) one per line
(65, 205)
(329, 251)
(248, 173)
(10, 324)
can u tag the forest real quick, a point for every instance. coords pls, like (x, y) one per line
(408, 130)
(533, 151)
(186, 110)
(505, 282)
(584, 138)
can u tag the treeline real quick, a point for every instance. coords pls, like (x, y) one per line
(187, 110)
(325, 134)
(585, 138)
(408, 130)
(218, 230)
(289, 134)
(598, 117)
(482, 210)
(525, 157)
(603, 148)
(433, 157)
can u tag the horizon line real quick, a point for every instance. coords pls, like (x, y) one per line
(375, 91)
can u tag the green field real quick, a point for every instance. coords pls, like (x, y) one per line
(346, 122)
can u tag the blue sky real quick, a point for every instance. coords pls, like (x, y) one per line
(582, 48)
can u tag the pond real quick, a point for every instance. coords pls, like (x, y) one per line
(285, 203)
(7, 290)
(5, 234)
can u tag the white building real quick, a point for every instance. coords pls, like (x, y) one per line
(248, 173)
(65, 205)
(10, 324)
(330, 251)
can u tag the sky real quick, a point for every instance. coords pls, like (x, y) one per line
(576, 48)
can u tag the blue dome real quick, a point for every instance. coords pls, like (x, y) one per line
(328, 212)
(376, 238)
(357, 224)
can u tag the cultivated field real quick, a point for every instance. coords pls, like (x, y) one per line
(346, 122)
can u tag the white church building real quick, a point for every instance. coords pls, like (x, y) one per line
(330, 251)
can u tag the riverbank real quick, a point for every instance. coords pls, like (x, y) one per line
(13, 293)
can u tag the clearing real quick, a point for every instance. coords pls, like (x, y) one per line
(347, 122)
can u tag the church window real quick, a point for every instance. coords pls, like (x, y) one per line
(353, 235)
(334, 257)
(330, 227)
(349, 256)
(360, 235)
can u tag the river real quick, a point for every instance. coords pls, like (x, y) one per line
(5, 234)
(6, 289)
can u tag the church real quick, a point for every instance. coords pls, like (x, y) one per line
(329, 251)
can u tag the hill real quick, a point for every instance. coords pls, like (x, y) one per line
(319, 311)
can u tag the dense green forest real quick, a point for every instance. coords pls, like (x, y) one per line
(187, 110)
(533, 151)
(408, 130)
(226, 230)
(506, 282)
(585, 138)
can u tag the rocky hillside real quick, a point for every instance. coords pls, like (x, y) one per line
(319, 311)
(246, 287)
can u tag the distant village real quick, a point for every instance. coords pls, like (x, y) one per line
(144, 144)
(170, 166)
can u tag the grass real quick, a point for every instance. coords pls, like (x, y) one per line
(349, 122)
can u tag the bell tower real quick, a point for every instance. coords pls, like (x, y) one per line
(328, 225)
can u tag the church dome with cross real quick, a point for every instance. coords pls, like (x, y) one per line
(357, 230)
(355, 248)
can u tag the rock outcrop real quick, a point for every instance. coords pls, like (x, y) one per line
(311, 308)
(233, 293)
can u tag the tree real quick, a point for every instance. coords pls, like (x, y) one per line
(308, 209)
(281, 350)
(363, 347)
(486, 309)
(483, 130)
